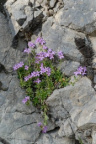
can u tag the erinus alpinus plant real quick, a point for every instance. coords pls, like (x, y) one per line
(40, 76)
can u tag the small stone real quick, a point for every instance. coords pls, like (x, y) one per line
(87, 133)
(45, 2)
(52, 3)
(28, 10)
(47, 13)
(68, 67)
(39, 1)
(51, 12)
(94, 79)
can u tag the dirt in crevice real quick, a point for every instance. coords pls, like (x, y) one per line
(85, 47)
(77, 142)
(2, 2)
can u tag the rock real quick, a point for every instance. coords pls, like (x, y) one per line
(68, 67)
(65, 25)
(78, 15)
(52, 3)
(69, 102)
(93, 137)
(59, 38)
(57, 7)
(18, 122)
(21, 15)
(53, 138)
(87, 133)
(21, 120)
(66, 130)
(87, 116)
(81, 138)
(51, 12)
(45, 2)
(94, 79)
(8, 55)
(61, 131)
(39, 1)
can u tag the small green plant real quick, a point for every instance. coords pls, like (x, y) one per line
(39, 76)
(80, 141)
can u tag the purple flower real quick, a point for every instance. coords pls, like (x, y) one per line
(45, 47)
(39, 57)
(60, 55)
(39, 124)
(48, 72)
(30, 44)
(84, 69)
(44, 130)
(37, 81)
(25, 99)
(17, 66)
(51, 54)
(33, 74)
(76, 73)
(27, 77)
(43, 69)
(26, 67)
(27, 50)
(81, 71)
(40, 41)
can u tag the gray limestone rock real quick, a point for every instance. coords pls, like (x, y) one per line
(69, 102)
(59, 38)
(93, 137)
(21, 15)
(18, 122)
(94, 79)
(79, 15)
(68, 67)
(66, 130)
(52, 3)
(72, 109)
(54, 139)
(8, 55)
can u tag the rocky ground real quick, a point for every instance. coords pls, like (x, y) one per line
(66, 25)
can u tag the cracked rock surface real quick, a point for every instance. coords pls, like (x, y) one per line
(18, 122)
(67, 25)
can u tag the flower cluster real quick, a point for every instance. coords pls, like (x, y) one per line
(44, 128)
(26, 67)
(39, 76)
(33, 74)
(17, 66)
(40, 41)
(49, 54)
(60, 54)
(46, 70)
(27, 50)
(43, 70)
(37, 81)
(81, 71)
(27, 98)
(32, 45)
